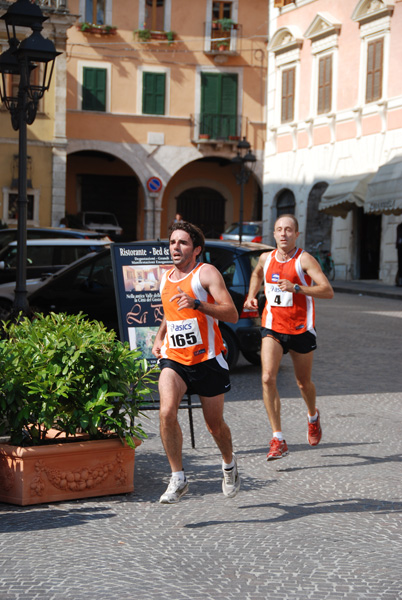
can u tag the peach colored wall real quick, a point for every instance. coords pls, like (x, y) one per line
(125, 54)
(285, 143)
(394, 120)
(345, 131)
(321, 135)
(371, 125)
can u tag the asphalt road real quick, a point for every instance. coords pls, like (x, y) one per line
(322, 524)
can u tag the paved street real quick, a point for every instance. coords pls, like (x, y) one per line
(322, 524)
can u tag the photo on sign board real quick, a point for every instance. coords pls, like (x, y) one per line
(142, 338)
(141, 279)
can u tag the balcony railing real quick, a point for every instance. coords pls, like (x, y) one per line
(222, 37)
(217, 128)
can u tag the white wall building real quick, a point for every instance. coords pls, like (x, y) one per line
(334, 137)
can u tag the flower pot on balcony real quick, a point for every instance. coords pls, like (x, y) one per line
(65, 471)
(203, 136)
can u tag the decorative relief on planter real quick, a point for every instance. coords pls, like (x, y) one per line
(6, 475)
(79, 480)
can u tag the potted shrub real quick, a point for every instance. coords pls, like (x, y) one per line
(223, 45)
(69, 391)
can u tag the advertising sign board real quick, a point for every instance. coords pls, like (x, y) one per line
(138, 269)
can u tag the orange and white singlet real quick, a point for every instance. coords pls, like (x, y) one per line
(191, 336)
(287, 312)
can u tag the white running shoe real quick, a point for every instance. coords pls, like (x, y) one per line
(231, 480)
(176, 489)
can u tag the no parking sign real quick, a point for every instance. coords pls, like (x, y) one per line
(154, 185)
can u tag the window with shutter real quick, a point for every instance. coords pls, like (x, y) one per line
(153, 93)
(288, 95)
(219, 105)
(324, 84)
(280, 3)
(375, 52)
(94, 89)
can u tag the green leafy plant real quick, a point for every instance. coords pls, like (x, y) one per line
(93, 27)
(67, 373)
(144, 35)
(226, 24)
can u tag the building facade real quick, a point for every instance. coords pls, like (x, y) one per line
(46, 143)
(334, 123)
(159, 93)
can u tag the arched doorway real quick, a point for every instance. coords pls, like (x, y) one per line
(319, 224)
(97, 181)
(285, 203)
(204, 207)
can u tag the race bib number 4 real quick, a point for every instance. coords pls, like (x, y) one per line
(183, 334)
(276, 297)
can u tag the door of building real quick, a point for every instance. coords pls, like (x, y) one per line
(205, 208)
(370, 239)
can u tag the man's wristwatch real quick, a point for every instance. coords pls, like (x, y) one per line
(296, 288)
(197, 304)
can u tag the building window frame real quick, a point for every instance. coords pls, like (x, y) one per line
(140, 88)
(107, 10)
(167, 15)
(9, 196)
(374, 70)
(80, 82)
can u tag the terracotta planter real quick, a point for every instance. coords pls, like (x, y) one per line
(66, 471)
(203, 136)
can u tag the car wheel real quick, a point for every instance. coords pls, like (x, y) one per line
(253, 357)
(231, 346)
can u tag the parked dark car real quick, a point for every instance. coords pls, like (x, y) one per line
(10, 234)
(88, 286)
(46, 256)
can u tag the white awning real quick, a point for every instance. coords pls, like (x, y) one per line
(345, 193)
(384, 193)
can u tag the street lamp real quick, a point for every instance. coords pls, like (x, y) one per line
(19, 61)
(242, 173)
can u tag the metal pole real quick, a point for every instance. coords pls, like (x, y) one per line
(241, 203)
(20, 301)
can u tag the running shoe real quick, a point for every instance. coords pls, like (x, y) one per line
(277, 449)
(175, 490)
(314, 431)
(231, 480)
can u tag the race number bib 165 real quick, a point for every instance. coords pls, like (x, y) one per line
(276, 297)
(183, 334)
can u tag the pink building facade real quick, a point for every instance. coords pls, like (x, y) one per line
(334, 129)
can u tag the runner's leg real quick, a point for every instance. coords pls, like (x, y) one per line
(171, 391)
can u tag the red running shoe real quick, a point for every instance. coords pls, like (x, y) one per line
(314, 431)
(277, 449)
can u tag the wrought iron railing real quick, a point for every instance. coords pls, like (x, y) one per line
(217, 127)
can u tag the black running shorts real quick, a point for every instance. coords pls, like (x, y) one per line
(208, 378)
(303, 343)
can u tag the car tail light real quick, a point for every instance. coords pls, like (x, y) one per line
(257, 238)
(247, 313)
(221, 237)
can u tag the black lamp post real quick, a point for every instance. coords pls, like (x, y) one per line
(21, 58)
(242, 173)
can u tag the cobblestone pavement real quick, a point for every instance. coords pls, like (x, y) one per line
(323, 523)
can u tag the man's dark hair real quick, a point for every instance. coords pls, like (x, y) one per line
(193, 231)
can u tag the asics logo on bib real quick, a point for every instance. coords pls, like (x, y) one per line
(182, 327)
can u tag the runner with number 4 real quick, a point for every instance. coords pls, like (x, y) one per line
(292, 280)
(189, 347)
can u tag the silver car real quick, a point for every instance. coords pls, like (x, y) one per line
(251, 232)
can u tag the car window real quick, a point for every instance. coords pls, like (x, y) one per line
(40, 256)
(221, 258)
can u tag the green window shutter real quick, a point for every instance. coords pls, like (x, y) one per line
(218, 104)
(153, 93)
(94, 89)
